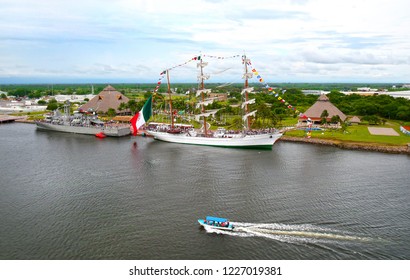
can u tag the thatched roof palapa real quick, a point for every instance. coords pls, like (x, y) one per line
(355, 119)
(125, 119)
(106, 99)
(322, 104)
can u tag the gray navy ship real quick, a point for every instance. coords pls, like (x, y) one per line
(81, 123)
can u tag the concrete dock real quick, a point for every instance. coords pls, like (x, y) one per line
(7, 119)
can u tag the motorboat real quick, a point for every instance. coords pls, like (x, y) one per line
(216, 223)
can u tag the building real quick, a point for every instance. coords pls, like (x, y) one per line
(315, 111)
(355, 120)
(108, 98)
(218, 96)
(73, 98)
(367, 89)
(8, 107)
(314, 91)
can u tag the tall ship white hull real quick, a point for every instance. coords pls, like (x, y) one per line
(247, 138)
(88, 130)
(259, 141)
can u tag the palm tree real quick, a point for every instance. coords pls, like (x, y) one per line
(324, 116)
(236, 124)
(123, 106)
(111, 112)
(133, 106)
(335, 119)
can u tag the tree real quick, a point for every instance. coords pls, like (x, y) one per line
(147, 94)
(52, 105)
(324, 116)
(367, 108)
(403, 112)
(20, 92)
(123, 106)
(335, 119)
(236, 123)
(133, 106)
(372, 119)
(111, 112)
(35, 94)
(264, 113)
(344, 126)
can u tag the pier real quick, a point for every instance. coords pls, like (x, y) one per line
(7, 119)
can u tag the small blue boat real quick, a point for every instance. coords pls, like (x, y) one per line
(216, 223)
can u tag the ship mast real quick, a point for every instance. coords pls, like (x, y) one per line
(247, 90)
(202, 87)
(170, 101)
(246, 84)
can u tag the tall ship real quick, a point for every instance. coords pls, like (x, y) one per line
(221, 137)
(81, 123)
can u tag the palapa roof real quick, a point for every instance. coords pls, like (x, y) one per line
(323, 103)
(355, 119)
(108, 98)
(122, 118)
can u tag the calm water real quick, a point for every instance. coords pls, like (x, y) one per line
(66, 196)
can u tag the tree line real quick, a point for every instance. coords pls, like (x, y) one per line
(373, 107)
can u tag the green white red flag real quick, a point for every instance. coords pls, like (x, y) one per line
(142, 116)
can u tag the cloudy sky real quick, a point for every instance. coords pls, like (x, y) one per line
(134, 40)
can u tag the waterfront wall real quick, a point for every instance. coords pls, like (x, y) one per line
(351, 145)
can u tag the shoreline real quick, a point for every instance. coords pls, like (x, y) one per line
(373, 147)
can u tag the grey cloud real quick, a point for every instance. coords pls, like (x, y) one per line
(352, 57)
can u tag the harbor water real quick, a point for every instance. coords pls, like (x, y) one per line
(66, 196)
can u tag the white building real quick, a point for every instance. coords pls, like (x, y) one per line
(17, 107)
(314, 91)
(73, 98)
(366, 89)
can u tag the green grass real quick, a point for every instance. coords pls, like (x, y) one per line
(358, 133)
(354, 133)
(31, 115)
(290, 121)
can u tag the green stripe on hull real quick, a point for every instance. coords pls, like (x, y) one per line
(261, 147)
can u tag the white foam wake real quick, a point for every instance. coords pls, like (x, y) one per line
(305, 233)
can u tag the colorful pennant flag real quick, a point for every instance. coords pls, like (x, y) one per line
(270, 89)
(255, 73)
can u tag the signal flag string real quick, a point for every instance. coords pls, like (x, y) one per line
(256, 73)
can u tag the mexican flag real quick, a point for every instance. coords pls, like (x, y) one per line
(142, 116)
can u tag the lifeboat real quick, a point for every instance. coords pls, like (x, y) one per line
(100, 135)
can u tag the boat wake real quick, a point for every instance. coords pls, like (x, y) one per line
(291, 233)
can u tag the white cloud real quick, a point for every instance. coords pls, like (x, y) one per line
(314, 40)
